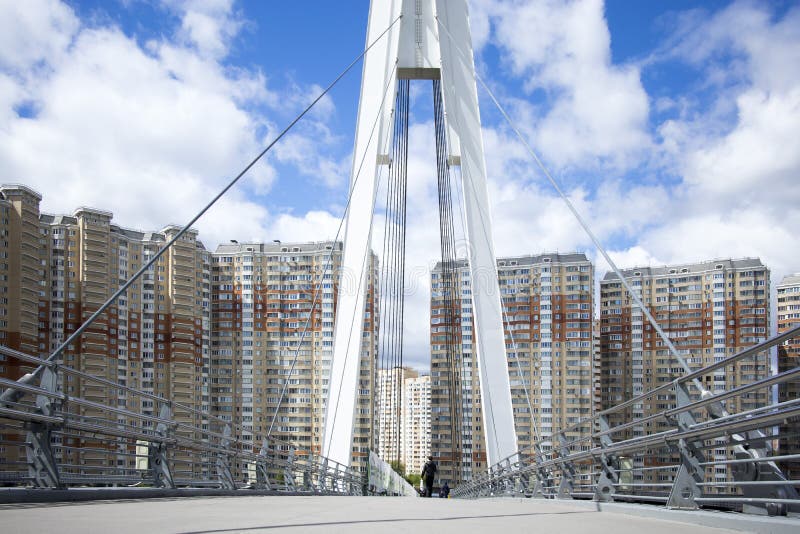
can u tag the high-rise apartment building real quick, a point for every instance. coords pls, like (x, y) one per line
(20, 273)
(710, 310)
(155, 337)
(390, 404)
(273, 304)
(415, 439)
(788, 296)
(547, 306)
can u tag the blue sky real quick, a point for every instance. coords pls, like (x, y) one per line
(673, 125)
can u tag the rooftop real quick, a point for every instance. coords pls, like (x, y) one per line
(689, 268)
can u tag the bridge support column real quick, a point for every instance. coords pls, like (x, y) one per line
(224, 461)
(42, 466)
(157, 461)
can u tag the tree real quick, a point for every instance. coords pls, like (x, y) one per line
(413, 479)
(398, 467)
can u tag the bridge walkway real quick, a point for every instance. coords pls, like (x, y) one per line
(254, 514)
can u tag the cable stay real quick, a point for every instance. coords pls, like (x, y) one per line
(449, 284)
(392, 282)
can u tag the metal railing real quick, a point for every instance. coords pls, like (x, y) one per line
(52, 439)
(670, 445)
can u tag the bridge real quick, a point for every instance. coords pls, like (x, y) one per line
(703, 463)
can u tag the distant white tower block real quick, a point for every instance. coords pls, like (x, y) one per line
(415, 48)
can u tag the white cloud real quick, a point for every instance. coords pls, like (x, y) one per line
(207, 25)
(150, 132)
(34, 31)
(597, 111)
(116, 128)
(754, 153)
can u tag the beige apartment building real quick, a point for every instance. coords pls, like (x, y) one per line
(415, 439)
(155, 337)
(402, 406)
(710, 310)
(390, 404)
(20, 268)
(264, 296)
(547, 306)
(788, 296)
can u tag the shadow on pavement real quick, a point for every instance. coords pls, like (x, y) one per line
(377, 521)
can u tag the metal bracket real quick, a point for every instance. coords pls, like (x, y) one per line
(351, 481)
(323, 475)
(609, 475)
(510, 479)
(42, 466)
(224, 461)
(538, 487)
(307, 484)
(523, 482)
(685, 487)
(157, 453)
(288, 472)
(262, 471)
(761, 472)
(567, 485)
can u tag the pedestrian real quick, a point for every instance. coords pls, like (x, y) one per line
(428, 473)
(444, 493)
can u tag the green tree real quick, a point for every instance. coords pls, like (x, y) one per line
(398, 467)
(413, 479)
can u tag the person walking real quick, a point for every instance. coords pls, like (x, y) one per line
(444, 493)
(428, 473)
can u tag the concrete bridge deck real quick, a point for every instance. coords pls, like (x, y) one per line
(253, 514)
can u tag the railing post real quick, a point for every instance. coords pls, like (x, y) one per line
(288, 472)
(609, 466)
(567, 485)
(521, 477)
(307, 471)
(224, 461)
(352, 481)
(157, 460)
(262, 470)
(685, 487)
(508, 480)
(42, 465)
(323, 476)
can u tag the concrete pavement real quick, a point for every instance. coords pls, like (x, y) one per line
(254, 514)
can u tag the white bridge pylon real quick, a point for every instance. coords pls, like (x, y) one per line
(419, 46)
